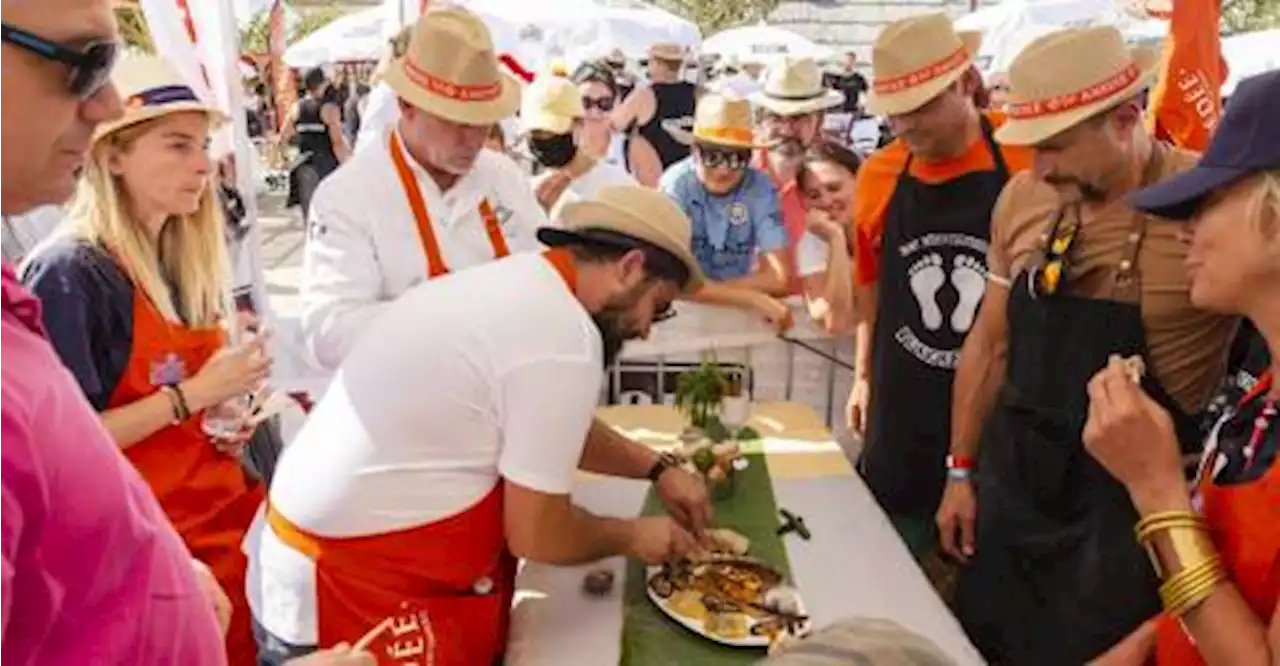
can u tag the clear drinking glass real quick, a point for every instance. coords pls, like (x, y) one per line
(226, 419)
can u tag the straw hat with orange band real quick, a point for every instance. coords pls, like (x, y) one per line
(720, 121)
(914, 60)
(1067, 77)
(450, 70)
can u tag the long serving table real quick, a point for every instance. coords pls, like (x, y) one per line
(854, 565)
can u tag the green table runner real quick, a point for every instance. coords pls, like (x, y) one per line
(649, 637)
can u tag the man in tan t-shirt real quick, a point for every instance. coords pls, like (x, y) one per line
(1053, 574)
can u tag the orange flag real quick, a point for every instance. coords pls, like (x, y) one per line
(1186, 103)
(286, 91)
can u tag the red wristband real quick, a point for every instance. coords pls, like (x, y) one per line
(960, 462)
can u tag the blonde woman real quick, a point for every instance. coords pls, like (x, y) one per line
(132, 287)
(1215, 544)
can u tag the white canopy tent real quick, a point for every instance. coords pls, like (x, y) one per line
(1008, 27)
(1249, 54)
(764, 44)
(360, 37)
(571, 30)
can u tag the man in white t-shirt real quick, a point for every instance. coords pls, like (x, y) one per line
(551, 117)
(449, 441)
(429, 200)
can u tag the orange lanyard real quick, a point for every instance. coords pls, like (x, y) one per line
(430, 246)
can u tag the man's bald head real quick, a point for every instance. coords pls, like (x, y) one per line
(45, 129)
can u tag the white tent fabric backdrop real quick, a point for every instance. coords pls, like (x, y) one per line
(569, 30)
(763, 44)
(349, 38)
(1008, 27)
(1249, 54)
(361, 36)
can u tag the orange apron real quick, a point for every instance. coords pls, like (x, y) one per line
(426, 233)
(1242, 519)
(445, 587)
(204, 493)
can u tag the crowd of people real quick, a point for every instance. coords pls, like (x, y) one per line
(1044, 302)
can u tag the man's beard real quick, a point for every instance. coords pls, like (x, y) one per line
(613, 334)
(611, 322)
(1083, 191)
(787, 148)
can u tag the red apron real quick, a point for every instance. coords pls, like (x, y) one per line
(426, 233)
(204, 493)
(446, 587)
(1243, 521)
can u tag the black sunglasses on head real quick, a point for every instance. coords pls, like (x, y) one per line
(90, 66)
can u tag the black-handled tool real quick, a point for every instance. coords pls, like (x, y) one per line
(793, 523)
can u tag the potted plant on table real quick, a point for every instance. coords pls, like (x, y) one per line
(709, 445)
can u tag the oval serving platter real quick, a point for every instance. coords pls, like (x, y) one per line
(696, 626)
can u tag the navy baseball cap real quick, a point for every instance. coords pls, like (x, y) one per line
(1247, 141)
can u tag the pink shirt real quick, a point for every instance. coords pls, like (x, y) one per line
(93, 573)
(794, 214)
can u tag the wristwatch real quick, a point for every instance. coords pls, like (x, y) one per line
(664, 462)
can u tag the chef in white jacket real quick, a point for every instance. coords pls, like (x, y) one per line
(426, 201)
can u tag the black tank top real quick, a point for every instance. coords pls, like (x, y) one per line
(313, 134)
(675, 101)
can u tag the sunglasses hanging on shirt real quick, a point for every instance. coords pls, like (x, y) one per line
(90, 65)
(1046, 278)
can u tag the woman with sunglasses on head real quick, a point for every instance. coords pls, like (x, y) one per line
(133, 290)
(1215, 545)
(596, 136)
(827, 182)
(552, 116)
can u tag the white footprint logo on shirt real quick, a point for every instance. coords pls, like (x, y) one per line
(967, 275)
(926, 278)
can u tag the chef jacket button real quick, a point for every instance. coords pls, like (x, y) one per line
(1126, 265)
(1134, 237)
(483, 585)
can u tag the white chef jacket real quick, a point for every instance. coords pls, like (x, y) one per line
(363, 248)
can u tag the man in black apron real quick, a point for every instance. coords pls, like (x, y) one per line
(934, 232)
(316, 121)
(1053, 573)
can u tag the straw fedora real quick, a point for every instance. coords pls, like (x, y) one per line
(860, 640)
(450, 70)
(668, 51)
(151, 88)
(551, 104)
(1066, 77)
(719, 120)
(638, 212)
(794, 88)
(914, 60)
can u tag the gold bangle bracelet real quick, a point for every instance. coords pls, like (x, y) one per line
(1189, 545)
(1191, 586)
(1162, 515)
(1175, 596)
(1194, 597)
(1176, 547)
(1158, 522)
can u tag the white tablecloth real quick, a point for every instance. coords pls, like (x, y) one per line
(854, 565)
